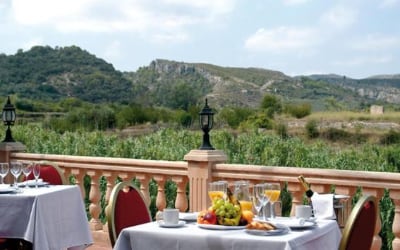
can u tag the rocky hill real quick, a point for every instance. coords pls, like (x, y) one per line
(53, 74)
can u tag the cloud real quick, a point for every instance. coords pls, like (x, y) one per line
(340, 17)
(377, 42)
(158, 20)
(33, 42)
(364, 60)
(126, 15)
(389, 3)
(294, 2)
(281, 39)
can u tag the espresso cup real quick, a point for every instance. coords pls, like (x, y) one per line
(170, 216)
(303, 211)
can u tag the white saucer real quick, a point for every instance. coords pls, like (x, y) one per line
(161, 223)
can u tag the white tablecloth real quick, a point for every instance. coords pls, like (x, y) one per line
(51, 217)
(325, 236)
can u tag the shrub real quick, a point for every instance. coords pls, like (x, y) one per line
(312, 129)
(271, 105)
(391, 137)
(281, 130)
(335, 134)
(298, 111)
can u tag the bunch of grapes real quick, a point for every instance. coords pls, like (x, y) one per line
(224, 208)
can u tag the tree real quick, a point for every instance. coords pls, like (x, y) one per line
(271, 105)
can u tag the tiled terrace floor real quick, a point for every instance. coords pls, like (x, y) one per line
(101, 241)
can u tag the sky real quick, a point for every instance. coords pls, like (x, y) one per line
(353, 38)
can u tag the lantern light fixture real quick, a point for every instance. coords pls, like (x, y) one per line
(206, 124)
(8, 116)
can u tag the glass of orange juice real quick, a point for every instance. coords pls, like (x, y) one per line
(217, 190)
(242, 193)
(273, 192)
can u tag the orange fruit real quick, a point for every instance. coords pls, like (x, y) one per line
(247, 215)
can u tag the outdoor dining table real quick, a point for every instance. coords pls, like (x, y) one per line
(50, 217)
(325, 235)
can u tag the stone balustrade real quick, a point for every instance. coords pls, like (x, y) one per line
(202, 166)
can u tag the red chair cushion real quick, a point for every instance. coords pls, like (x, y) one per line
(48, 174)
(362, 233)
(130, 210)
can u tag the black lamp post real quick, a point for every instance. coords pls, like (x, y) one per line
(8, 116)
(206, 124)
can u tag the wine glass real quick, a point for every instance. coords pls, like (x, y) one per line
(273, 192)
(26, 170)
(3, 170)
(16, 168)
(36, 173)
(259, 198)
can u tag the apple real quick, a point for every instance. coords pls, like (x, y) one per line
(210, 217)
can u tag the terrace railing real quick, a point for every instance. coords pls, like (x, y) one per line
(202, 166)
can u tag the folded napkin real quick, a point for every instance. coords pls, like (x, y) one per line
(289, 221)
(30, 182)
(4, 186)
(323, 206)
(188, 216)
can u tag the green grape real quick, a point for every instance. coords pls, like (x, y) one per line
(229, 206)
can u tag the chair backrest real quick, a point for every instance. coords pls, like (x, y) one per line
(51, 173)
(359, 230)
(126, 208)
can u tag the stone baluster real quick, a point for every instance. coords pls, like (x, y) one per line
(94, 197)
(181, 201)
(79, 180)
(161, 202)
(110, 179)
(297, 192)
(66, 173)
(395, 195)
(144, 187)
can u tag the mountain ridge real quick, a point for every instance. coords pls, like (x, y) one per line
(63, 72)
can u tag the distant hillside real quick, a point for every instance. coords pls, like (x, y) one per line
(382, 88)
(51, 74)
(44, 73)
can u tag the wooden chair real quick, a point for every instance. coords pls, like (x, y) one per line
(359, 230)
(126, 208)
(51, 173)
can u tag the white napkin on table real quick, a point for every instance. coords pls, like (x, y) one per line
(323, 206)
(31, 182)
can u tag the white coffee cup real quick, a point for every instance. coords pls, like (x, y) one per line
(170, 215)
(303, 211)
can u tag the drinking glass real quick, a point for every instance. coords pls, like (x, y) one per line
(217, 190)
(16, 168)
(26, 170)
(273, 192)
(3, 171)
(242, 194)
(36, 173)
(259, 198)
